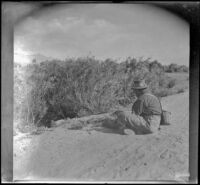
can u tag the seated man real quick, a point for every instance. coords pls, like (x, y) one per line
(146, 112)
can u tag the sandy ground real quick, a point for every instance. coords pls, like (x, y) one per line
(103, 155)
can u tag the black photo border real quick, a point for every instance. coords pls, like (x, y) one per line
(187, 10)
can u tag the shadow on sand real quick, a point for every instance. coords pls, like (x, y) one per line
(99, 129)
(108, 130)
(126, 131)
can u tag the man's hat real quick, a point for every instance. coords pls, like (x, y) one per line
(139, 84)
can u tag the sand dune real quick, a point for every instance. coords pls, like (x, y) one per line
(103, 155)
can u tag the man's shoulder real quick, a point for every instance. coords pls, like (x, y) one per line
(148, 96)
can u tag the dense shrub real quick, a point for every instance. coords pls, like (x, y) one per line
(82, 86)
(176, 68)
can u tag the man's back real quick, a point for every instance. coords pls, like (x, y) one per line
(147, 104)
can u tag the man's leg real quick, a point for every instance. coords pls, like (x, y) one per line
(154, 122)
(137, 123)
(132, 121)
(110, 122)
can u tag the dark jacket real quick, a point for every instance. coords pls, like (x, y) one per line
(147, 104)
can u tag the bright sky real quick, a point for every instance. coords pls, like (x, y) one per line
(106, 31)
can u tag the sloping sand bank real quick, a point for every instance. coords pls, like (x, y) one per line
(103, 155)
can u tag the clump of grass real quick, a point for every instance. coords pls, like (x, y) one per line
(163, 93)
(40, 130)
(24, 127)
(171, 83)
(181, 90)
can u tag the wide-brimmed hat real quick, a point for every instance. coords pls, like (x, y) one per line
(139, 84)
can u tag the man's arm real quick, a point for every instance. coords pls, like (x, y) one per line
(140, 110)
(132, 110)
(137, 107)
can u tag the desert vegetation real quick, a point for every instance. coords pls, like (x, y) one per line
(76, 87)
(174, 68)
